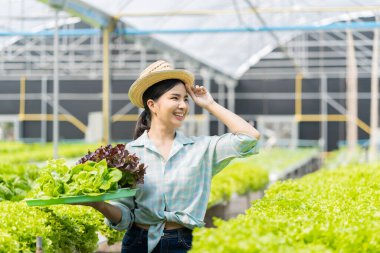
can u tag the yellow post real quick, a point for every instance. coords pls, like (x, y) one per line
(334, 117)
(21, 114)
(298, 95)
(61, 117)
(106, 86)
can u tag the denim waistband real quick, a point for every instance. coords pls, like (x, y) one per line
(168, 233)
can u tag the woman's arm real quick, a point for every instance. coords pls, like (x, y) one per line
(111, 212)
(235, 123)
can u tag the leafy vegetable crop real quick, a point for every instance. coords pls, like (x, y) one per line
(57, 179)
(107, 169)
(327, 211)
(118, 157)
(71, 230)
(252, 173)
(342, 157)
(64, 228)
(16, 180)
(13, 187)
(16, 153)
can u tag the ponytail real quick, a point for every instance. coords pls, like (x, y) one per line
(143, 123)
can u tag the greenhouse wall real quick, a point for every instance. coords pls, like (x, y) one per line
(90, 92)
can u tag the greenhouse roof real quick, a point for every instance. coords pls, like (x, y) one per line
(214, 32)
(232, 53)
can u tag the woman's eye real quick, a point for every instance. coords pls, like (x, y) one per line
(175, 98)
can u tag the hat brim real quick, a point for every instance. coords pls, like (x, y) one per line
(142, 84)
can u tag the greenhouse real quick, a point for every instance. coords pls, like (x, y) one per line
(277, 150)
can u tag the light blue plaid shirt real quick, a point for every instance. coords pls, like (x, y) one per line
(178, 190)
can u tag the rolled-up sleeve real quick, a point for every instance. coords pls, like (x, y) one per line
(127, 217)
(230, 146)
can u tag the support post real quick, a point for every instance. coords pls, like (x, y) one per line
(56, 89)
(231, 85)
(373, 148)
(207, 84)
(221, 101)
(106, 87)
(44, 109)
(39, 244)
(324, 112)
(352, 95)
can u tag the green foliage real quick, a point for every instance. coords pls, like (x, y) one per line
(16, 153)
(13, 187)
(57, 179)
(119, 157)
(341, 157)
(67, 228)
(252, 173)
(16, 181)
(26, 171)
(8, 243)
(92, 217)
(22, 224)
(64, 228)
(280, 159)
(328, 211)
(239, 178)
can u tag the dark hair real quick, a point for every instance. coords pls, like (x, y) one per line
(153, 92)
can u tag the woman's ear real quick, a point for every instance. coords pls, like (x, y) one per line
(151, 105)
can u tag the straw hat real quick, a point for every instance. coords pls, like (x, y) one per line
(154, 73)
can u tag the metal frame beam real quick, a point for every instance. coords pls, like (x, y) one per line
(86, 12)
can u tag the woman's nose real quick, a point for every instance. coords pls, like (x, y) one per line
(182, 104)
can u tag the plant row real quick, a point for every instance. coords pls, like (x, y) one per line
(63, 228)
(57, 225)
(327, 211)
(18, 153)
(252, 173)
(342, 156)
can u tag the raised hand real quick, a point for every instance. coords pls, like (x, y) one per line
(201, 96)
(235, 123)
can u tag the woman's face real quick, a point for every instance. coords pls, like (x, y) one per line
(171, 108)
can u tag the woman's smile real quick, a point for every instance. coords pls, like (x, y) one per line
(179, 116)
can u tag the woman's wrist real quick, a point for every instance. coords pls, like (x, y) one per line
(97, 205)
(209, 106)
(112, 213)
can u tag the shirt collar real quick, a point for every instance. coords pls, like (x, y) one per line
(182, 139)
(143, 140)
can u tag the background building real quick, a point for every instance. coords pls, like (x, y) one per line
(287, 66)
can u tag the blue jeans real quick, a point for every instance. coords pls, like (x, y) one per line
(173, 241)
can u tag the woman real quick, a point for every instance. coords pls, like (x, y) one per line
(173, 199)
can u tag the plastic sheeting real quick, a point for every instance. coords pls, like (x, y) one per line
(230, 53)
